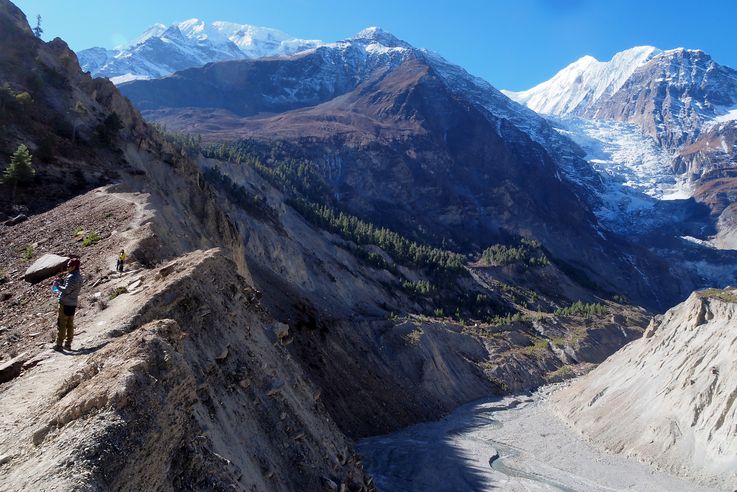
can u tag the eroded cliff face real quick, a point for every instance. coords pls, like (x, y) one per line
(69, 121)
(669, 398)
(188, 379)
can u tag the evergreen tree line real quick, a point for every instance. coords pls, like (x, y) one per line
(308, 192)
(580, 308)
(526, 251)
(295, 177)
(402, 250)
(256, 205)
(185, 142)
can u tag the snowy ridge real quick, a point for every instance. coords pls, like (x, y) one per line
(162, 50)
(583, 83)
(633, 116)
(493, 102)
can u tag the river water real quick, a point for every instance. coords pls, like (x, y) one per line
(512, 444)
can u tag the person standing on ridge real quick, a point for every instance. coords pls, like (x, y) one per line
(68, 290)
(121, 261)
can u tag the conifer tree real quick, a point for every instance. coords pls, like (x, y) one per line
(20, 170)
(38, 30)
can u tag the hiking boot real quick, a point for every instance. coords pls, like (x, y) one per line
(68, 346)
(57, 348)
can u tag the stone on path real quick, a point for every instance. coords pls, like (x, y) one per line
(46, 266)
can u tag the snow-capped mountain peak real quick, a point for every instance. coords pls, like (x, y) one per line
(162, 50)
(198, 30)
(378, 35)
(154, 31)
(583, 82)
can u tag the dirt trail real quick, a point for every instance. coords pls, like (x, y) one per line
(115, 217)
(27, 399)
(161, 373)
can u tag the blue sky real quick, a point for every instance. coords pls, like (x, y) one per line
(514, 44)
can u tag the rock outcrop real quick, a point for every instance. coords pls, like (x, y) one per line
(669, 398)
(45, 267)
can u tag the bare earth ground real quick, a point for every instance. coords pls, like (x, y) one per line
(515, 444)
(28, 316)
(156, 394)
(29, 311)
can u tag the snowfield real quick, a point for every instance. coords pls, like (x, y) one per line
(636, 172)
(162, 50)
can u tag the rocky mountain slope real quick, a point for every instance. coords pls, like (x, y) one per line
(658, 126)
(669, 94)
(161, 50)
(672, 96)
(669, 398)
(63, 116)
(374, 114)
(225, 357)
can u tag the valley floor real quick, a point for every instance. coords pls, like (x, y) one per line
(513, 444)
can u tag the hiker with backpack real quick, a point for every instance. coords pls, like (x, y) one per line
(68, 289)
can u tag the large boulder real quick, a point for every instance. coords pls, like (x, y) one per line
(16, 220)
(45, 267)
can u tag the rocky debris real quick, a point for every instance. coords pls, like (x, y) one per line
(16, 220)
(29, 308)
(99, 281)
(46, 266)
(675, 388)
(166, 270)
(12, 368)
(275, 387)
(329, 484)
(222, 355)
(281, 331)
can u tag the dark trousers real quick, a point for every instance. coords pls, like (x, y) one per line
(119, 265)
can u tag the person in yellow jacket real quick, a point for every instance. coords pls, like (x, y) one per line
(121, 261)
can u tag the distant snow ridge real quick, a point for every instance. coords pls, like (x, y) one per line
(582, 83)
(162, 50)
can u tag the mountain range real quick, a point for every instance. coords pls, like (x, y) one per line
(161, 49)
(405, 140)
(364, 110)
(663, 122)
(274, 304)
(342, 242)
